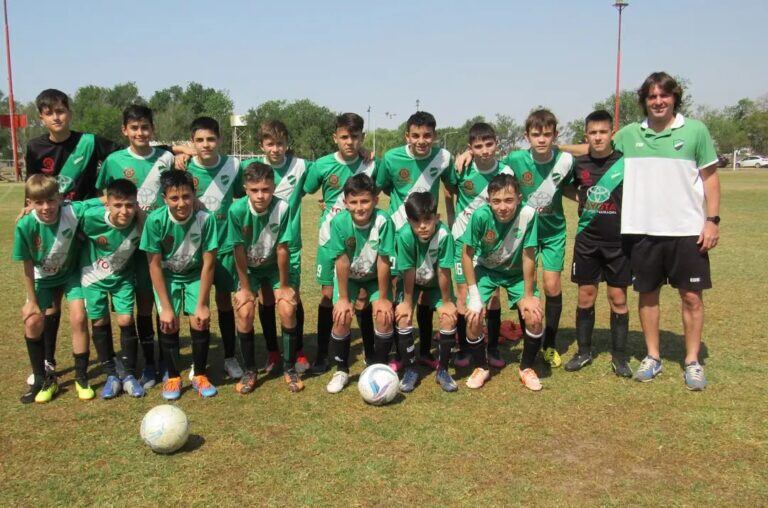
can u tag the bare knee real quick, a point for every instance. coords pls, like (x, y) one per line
(617, 298)
(692, 301)
(34, 325)
(244, 317)
(552, 283)
(326, 296)
(124, 320)
(287, 312)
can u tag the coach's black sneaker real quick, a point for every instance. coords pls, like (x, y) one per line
(621, 367)
(579, 361)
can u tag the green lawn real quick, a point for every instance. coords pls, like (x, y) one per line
(588, 438)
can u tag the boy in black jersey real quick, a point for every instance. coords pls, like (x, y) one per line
(597, 251)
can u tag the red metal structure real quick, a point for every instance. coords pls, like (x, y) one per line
(11, 106)
(620, 5)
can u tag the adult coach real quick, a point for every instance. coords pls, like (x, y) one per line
(669, 216)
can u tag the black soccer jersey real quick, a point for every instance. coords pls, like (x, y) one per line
(599, 185)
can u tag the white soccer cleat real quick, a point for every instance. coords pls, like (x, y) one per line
(337, 382)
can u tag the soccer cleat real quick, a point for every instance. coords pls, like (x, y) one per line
(302, 364)
(445, 381)
(529, 379)
(337, 382)
(148, 377)
(649, 368)
(410, 378)
(461, 360)
(48, 390)
(112, 388)
(29, 396)
(203, 386)
(247, 383)
(478, 378)
(273, 366)
(232, 369)
(495, 360)
(132, 387)
(293, 381)
(172, 388)
(694, 377)
(429, 361)
(321, 366)
(552, 357)
(84, 392)
(578, 361)
(50, 370)
(395, 365)
(621, 367)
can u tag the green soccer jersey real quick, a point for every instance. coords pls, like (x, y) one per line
(53, 248)
(499, 246)
(260, 233)
(143, 171)
(289, 182)
(425, 257)
(108, 258)
(330, 173)
(472, 192)
(216, 187)
(180, 244)
(401, 173)
(363, 244)
(541, 186)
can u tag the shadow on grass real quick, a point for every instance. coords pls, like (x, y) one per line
(194, 442)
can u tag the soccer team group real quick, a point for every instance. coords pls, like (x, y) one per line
(121, 232)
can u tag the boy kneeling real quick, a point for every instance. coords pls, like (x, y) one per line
(501, 240)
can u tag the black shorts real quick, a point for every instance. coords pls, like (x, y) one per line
(594, 263)
(657, 260)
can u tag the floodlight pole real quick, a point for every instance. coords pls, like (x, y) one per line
(620, 5)
(11, 105)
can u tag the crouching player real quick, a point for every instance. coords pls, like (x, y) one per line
(503, 237)
(112, 236)
(259, 231)
(424, 262)
(361, 242)
(181, 244)
(46, 241)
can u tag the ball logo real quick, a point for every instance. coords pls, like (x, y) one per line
(333, 181)
(527, 178)
(404, 175)
(490, 236)
(598, 194)
(129, 173)
(351, 243)
(102, 241)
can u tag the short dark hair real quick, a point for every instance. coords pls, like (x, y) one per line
(176, 178)
(599, 115)
(666, 83)
(539, 119)
(350, 121)
(50, 97)
(273, 129)
(503, 181)
(257, 172)
(136, 112)
(121, 188)
(204, 123)
(420, 205)
(420, 119)
(481, 131)
(358, 184)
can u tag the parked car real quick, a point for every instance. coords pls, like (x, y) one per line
(753, 161)
(722, 161)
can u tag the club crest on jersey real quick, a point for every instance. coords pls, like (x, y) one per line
(556, 177)
(351, 243)
(67, 233)
(333, 181)
(404, 175)
(678, 144)
(194, 237)
(129, 173)
(220, 216)
(37, 242)
(469, 186)
(291, 179)
(434, 171)
(527, 178)
(274, 226)
(102, 241)
(225, 179)
(168, 241)
(247, 231)
(586, 178)
(490, 237)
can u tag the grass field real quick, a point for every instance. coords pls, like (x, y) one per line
(589, 438)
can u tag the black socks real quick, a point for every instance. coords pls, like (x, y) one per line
(201, 342)
(424, 320)
(227, 330)
(267, 318)
(365, 322)
(493, 317)
(552, 311)
(50, 332)
(405, 347)
(248, 349)
(340, 348)
(129, 343)
(146, 338)
(105, 350)
(36, 351)
(324, 324)
(619, 332)
(585, 324)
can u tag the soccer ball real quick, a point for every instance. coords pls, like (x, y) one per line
(378, 384)
(165, 428)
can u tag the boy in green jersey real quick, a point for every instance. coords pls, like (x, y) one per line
(543, 170)
(218, 181)
(112, 237)
(46, 241)
(330, 173)
(418, 166)
(424, 261)
(259, 232)
(290, 174)
(471, 194)
(361, 244)
(142, 164)
(181, 246)
(500, 252)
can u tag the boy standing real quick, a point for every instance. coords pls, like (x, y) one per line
(501, 239)
(424, 261)
(260, 235)
(181, 248)
(361, 243)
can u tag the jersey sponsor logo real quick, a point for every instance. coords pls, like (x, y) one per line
(78, 160)
(64, 183)
(678, 144)
(490, 237)
(351, 243)
(639, 144)
(333, 181)
(597, 194)
(469, 187)
(527, 178)
(129, 173)
(102, 241)
(404, 175)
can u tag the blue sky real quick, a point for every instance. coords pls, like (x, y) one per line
(458, 58)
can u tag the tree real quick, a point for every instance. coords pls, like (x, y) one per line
(509, 132)
(100, 110)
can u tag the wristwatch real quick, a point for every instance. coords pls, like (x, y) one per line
(715, 219)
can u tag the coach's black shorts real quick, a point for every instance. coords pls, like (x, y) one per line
(594, 263)
(656, 260)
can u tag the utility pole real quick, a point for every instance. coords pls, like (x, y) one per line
(620, 5)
